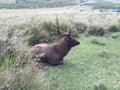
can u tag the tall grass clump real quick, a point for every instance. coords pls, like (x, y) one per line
(80, 27)
(17, 72)
(46, 31)
(96, 31)
(40, 32)
(37, 31)
(27, 78)
(114, 28)
(38, 35)
(7, 52)
(50, 27)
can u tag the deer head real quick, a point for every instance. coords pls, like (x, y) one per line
(71, 42)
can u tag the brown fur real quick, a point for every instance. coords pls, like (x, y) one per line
(54, 54)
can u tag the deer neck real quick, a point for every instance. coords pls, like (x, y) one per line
(62, 48)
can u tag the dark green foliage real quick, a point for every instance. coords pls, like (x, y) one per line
(10, 53)
(38, 37)
(7, 53)
(49, 27)
(114, 28)
(36, 34)
(96, 31)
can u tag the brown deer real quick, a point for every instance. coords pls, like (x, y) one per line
(54, 54)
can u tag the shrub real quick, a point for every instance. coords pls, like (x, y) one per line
(38, 36)
(100, 87)
(50, 27)
(96, 31)
(114, 28)
(80, 27)
(97, 41)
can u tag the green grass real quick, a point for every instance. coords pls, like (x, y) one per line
(93, 65)
(104, 5)
(30, 5)
(88, 65)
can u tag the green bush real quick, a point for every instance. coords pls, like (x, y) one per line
(38, 37)
(50, 27)
(114, 28)
(96, 31)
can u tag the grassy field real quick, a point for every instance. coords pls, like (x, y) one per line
(104, 4)
(34, 4)
(93, 65)
(88, 67)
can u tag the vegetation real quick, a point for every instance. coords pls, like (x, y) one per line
(103, 4)
(22, 4)
(92, 61)
(96, 30)
(114, 28)
(92, 68)
(92, 65)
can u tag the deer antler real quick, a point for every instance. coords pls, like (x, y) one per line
(67, 33)
(61, 32)
(57, 25)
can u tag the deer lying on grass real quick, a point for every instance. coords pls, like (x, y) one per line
(54, 54)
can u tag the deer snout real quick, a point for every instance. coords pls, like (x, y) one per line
(77, 42)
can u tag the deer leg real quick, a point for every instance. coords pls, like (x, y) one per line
(56, 62)
(61, 62)
(44, 59)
